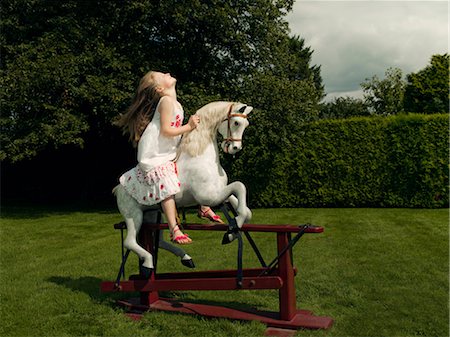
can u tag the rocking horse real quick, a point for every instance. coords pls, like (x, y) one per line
(203, 180)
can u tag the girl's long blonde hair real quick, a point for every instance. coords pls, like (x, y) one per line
(142, 108)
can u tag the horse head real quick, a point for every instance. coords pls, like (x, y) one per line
(232, 128)
(229, 119)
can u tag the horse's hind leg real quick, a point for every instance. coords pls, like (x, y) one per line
(133, 225)
(133, 216)
(186, 260)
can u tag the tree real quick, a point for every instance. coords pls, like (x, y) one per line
(59, 76)
(427, 90)
(70, 66)
(344, 107)
(385, 97)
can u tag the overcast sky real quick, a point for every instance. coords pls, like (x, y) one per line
(354, 40)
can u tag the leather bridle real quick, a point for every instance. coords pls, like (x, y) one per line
(228, 139)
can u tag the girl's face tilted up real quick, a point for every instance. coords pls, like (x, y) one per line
(164, 81)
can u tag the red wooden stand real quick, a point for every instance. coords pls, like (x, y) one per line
(281, 278)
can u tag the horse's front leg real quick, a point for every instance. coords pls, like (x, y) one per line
(236, 189)
(231, 235)
(236, 193)
(235, 204)
(239, 203)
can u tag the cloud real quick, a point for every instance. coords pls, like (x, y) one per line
(353, 94)
(355, 40)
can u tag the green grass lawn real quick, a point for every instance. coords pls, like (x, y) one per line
(377, 272)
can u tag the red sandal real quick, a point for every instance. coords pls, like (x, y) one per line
(179, 238)
(207, 215)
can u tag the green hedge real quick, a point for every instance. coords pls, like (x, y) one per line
(397, 161)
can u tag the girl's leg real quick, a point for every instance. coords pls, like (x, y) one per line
(170, 210)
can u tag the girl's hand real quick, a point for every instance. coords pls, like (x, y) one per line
(194, 121)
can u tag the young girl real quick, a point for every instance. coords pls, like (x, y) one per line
(154, 122)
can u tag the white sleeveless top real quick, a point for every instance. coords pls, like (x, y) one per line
(155, 149)
(155, 177)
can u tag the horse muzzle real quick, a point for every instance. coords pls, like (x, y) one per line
(232, 146)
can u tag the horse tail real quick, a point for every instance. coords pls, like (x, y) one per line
(115, 190)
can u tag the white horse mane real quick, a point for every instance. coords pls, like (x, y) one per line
(195, 142)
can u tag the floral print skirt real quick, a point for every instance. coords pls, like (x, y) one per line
(150, 188)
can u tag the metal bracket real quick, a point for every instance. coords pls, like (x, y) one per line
(291, 244)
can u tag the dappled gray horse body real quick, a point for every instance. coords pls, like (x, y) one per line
(203, 180)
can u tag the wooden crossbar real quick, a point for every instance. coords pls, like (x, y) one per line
(219, 283)
(283, 228)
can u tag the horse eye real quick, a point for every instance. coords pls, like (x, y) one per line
(236, 123)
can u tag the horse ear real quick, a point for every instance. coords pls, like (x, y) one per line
(247, 110)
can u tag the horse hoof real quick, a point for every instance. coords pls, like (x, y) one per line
(146, 272)
(188, 263)
(225, 239)
(228, 238)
